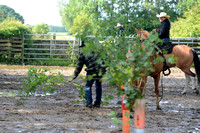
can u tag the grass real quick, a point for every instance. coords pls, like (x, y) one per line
(63, 36)
(8, 94)
(38, 67)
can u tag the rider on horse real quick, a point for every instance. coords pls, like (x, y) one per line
(163, 34)
(164, 27)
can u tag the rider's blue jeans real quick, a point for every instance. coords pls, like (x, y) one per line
(88, 89)
(165, 40)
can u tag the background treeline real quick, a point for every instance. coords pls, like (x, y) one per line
(100, 17)
(56, 29)
(12, 24)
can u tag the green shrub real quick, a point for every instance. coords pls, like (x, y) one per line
(11, 27)
(38, 78)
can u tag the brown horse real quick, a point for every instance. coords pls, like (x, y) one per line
(186, 56)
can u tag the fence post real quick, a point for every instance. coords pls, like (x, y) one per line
(10, 50)
(139, 116)
(51, 42)
(23, 48)
(54, 37)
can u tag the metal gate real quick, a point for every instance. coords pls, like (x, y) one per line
(50, 47)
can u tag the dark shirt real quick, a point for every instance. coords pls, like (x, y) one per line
(93, 67)
(120, 32)
(164, 29)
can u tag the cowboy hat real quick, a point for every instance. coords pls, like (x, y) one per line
(163, 14)
(118, 25)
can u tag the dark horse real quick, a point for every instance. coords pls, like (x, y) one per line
(186, 56)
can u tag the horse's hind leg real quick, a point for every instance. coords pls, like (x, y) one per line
(193, 82)
(187, 81)
(188, 72)
(194, 85)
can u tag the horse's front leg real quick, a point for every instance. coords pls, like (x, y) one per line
(156, 83)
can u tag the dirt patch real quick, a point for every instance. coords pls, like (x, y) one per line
(60, 112)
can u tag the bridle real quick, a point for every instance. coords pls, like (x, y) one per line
(142, 36)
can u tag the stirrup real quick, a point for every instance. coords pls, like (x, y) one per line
(166, 74)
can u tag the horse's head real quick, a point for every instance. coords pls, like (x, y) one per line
(142, 33)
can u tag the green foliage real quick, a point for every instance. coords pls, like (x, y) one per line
(41, 29)
(187, 4)
(11, 27)
(189, 25)
(81, 92)
(38, 78)
(69, 12)
(82, 25)
(105, 14)
(6, 11)
(115, 120)
(107, 98)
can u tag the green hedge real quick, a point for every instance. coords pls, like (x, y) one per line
(10, 27)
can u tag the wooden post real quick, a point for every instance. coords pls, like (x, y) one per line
(125, 117)
(139, 116)
(23, 39)
(54, 38)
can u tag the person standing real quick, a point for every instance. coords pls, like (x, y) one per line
(120, 30)
(94, 72)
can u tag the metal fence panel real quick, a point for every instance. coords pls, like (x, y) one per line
(50, 47)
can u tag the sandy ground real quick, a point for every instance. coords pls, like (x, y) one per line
(59, 113)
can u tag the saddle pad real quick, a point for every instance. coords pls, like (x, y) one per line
(167, 47)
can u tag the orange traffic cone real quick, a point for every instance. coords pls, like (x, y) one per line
(125, 115)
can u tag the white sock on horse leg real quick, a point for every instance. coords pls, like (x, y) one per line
(187, 81)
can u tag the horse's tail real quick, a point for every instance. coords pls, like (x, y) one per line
(196, 65)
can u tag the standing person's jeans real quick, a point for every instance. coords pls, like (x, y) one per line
(88, 89)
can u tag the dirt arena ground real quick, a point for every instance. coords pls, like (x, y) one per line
(59, 112)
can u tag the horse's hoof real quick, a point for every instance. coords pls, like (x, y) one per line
(183, 93)
(194, 88)
(131, 110)
(197, 91)
(158, 108)
(119, 102)
(119, 115)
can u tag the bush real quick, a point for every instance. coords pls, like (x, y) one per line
(11, 27)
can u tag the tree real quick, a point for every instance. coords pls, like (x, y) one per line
(6, 11)
(105, 14)
(82, 25)
(41, 29)
(187, 4)
(188, 25)
(69, 13)
(76, 7)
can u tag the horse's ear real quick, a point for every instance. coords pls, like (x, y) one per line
(141, 29)
(137, 30)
